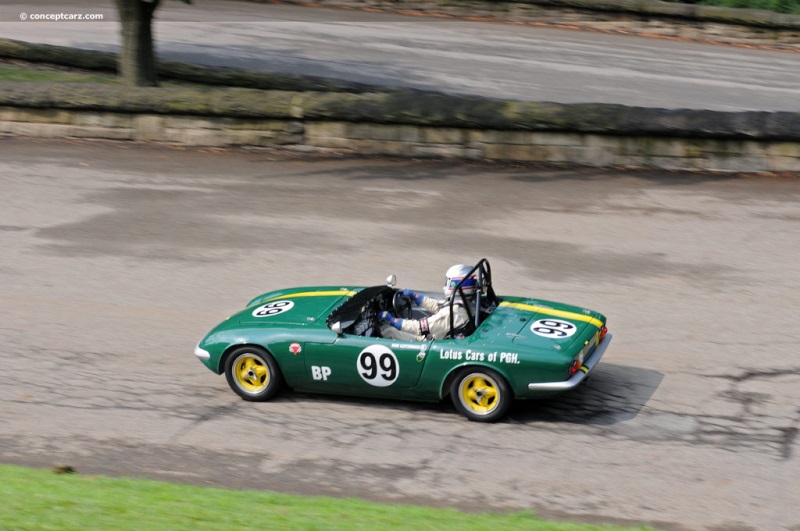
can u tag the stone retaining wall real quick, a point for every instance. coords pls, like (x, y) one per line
(417, 141)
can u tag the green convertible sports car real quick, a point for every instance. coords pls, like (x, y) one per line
(327, 340)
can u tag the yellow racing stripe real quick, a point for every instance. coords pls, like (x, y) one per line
(337, 293)
(555, 313)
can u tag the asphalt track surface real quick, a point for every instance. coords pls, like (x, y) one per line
(487, 59)
(117, 258)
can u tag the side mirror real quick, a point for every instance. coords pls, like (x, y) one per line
(391, 281)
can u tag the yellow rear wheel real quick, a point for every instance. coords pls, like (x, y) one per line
(481, 395)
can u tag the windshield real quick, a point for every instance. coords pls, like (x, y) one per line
(356, 305)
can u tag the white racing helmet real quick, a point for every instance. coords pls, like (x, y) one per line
(454, 275)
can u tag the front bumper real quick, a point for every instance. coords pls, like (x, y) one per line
(203, 355)
(579, 376)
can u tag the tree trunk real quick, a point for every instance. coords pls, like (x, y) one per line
(137, 60)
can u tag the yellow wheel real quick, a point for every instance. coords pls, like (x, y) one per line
(252, 373)
(481, 395)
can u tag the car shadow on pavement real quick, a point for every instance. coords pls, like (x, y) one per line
(615, 393)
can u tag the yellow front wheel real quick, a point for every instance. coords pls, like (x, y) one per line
(481, 395)
(252, 373)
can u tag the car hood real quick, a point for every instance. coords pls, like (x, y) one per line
(552, 325)
(294, 306)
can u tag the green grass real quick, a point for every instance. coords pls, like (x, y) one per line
(10, 72)
(43, 73)
(40, 499)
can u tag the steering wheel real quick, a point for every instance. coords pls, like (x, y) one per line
(401, 304)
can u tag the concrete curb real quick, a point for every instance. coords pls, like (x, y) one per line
(653, 18)
(482, 8)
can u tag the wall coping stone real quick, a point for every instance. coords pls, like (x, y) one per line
(405, 107)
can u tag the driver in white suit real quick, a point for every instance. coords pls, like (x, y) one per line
(437, 326)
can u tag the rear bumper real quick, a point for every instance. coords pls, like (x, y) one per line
(579, 376)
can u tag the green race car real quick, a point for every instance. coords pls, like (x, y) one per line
(327, 340)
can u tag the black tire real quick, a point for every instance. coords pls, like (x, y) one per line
(481, 394)
(253, 374)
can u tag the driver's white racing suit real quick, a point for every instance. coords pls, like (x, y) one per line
(437, 326)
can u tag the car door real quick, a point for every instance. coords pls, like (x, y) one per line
(370, 365)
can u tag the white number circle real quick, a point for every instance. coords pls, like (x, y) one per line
(377, 365)
(553, 328)
(273, 308)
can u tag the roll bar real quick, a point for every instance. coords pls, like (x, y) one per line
(483, 290)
